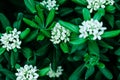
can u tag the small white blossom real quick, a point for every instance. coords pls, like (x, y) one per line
(91, 27)
(96, 4)
(52, 73)
(11, 40)
(59, 33)
(28, 72)
(50, 4)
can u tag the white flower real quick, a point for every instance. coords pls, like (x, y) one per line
(50, 4)
(28, 72)
(52, 73)
(11, 40)
(59, 33)
(96, 4)
(91, 27)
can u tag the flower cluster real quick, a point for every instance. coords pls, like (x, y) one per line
(11, 40)
(59, 33)
(96, 4)
(28, 72)
(50, 4)
(52, 73)
(91, 27)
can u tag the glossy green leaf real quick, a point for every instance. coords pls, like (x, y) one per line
(78, 41)
(110, 19)
(31, 36)
(86, 14)
(61, 1)
(105, 45)
(45, 32)
(93, 48)
(101, 65)
(40, 37)
(12, 59)
(117, 22)
(71, 27)
(17, 23)
(77, 73)
(106, 73)
(24, 33)
(30, 5)
(64, 47)
(65, 11)
(110, 9)
(27, 52)
(44, 71)
(4, 21)
(7, 73)
(40, 14)
(2, 50)
(110, 34)
(8, 29)
(30, 23)
(89, 72)
(98, 15)
(80, 2)
(50, 17)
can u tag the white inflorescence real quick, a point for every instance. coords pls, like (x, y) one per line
(28, 72)
(50, 4)
(52, 73)
(91, 27)
(11, 40)
(59, 33)
(96, 4)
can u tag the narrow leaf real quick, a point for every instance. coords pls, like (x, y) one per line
(30, 5)
(30, 23)
(78, 41)
(93, 48)
(80, 2)
(71, 27)
(64, 47)
(110, 34)
(44, 71)
(24, 33)
(2, 50)
(117, 52)
(27, 52)
(89, 72)
(50, 17)
(86, 14)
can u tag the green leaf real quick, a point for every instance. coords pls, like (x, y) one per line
(117, 22)
(17, 24)
(50, 17)
(24, 33)
(106, 73)
(80, 2)
(110, 9)
(101, 65)
(89, 72)
(64, 47)
(61, 1)
(77, 73)
(40, 37)
(12, 59)
(65, 11)
(110, 19)
(2, 50)
(99, 14)
(117, 52)
(17, 66)
(105, 45)
(8, 29)
(30, 23)
(45, 32)
(31, 36)
(77, 41)
(110, 34)
(30, 5)
(40, 14)
(93, 47)
(86, 14)
(27, 52)
(44, 71)
(5, 22)
(71, 27)
(7, 73)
